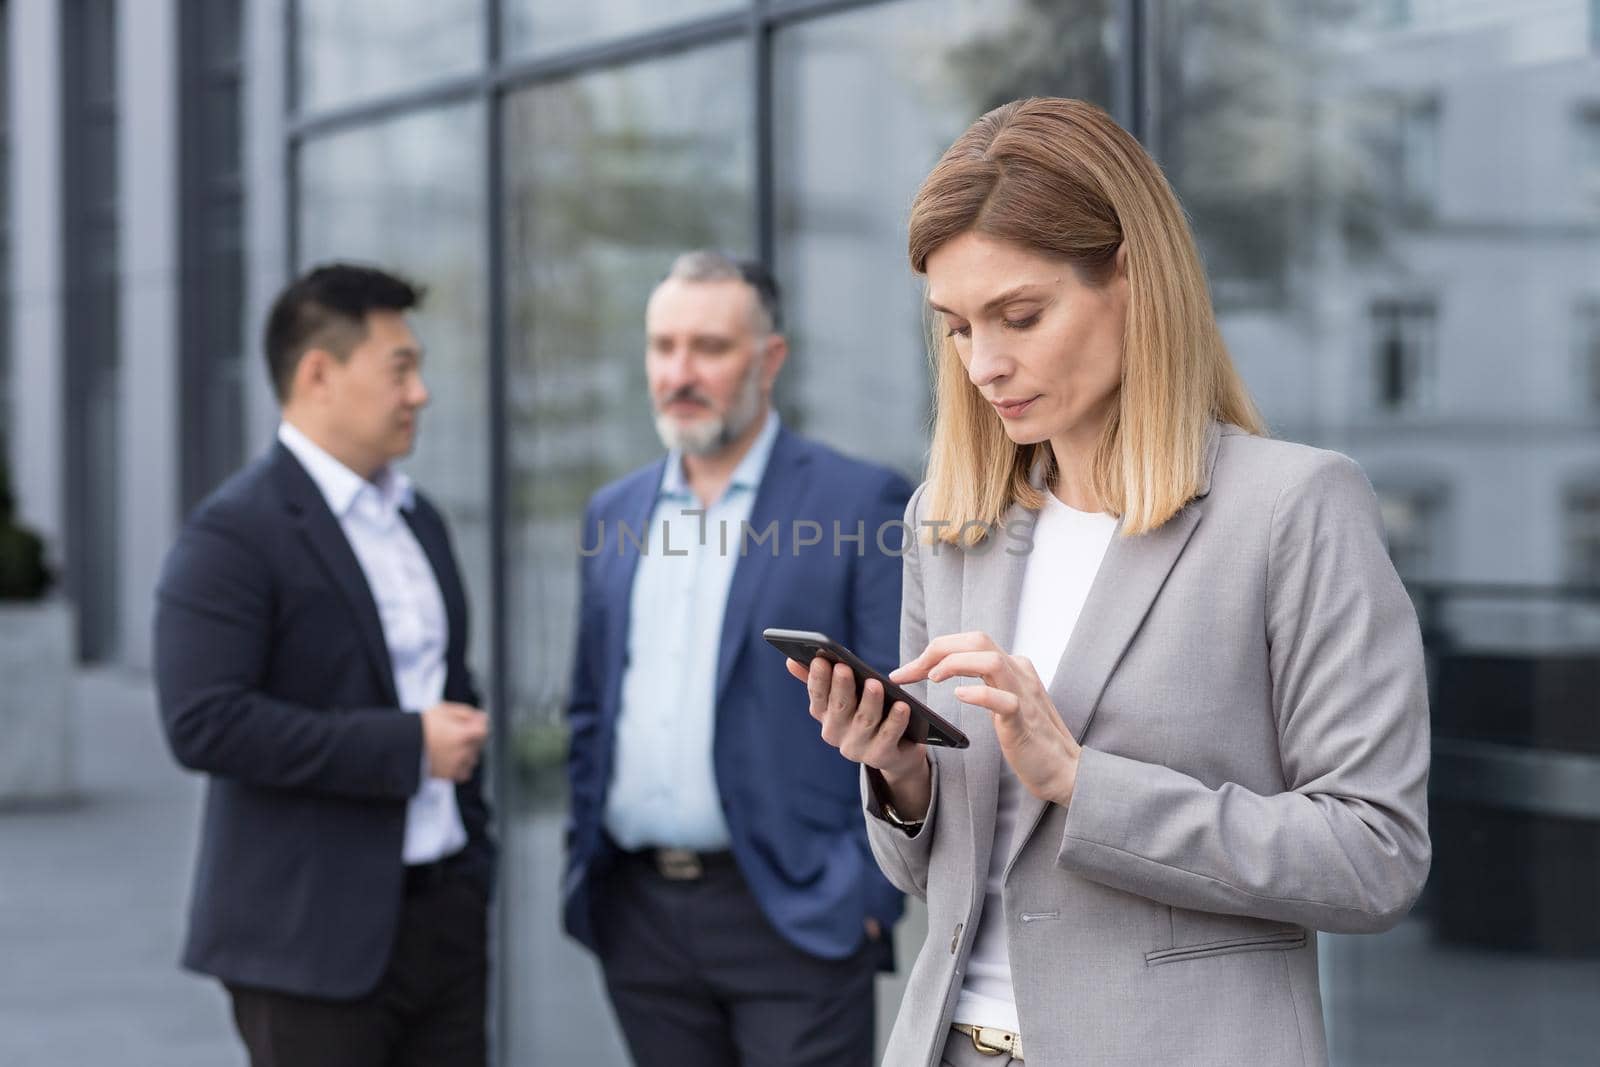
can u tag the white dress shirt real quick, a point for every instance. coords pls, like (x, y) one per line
(1068, 546)
(411, 609)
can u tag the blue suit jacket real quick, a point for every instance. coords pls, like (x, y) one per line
(275, 679)
(792, 803)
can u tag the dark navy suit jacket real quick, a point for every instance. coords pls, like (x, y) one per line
(275, 679)
(792, 803)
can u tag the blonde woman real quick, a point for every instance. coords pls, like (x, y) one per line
(1192, 679)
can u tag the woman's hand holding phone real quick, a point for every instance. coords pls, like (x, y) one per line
(863, 733)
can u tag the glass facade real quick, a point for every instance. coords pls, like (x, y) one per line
(1397, 232)
(550, 27)
(350, 51)
(864, 103)
(1396, 205)
(424, 169)
(608, 176)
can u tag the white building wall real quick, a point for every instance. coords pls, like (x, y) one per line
(266, 203)
(150, 420)
(36, 366)
(150, 195)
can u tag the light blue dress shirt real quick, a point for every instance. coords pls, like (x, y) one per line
(663, 785)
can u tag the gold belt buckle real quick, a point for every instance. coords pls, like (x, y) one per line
(984, 1038)
(679, 864)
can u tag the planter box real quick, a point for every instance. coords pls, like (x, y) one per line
(37, 727)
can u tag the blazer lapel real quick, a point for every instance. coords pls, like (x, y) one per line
(782, 487)
(991, 584)
(332, 550)
(430, 534)
(619, 583)
(1130, 577)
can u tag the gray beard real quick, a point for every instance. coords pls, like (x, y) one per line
(709, 436)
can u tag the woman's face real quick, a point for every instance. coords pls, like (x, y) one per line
(1040, 345)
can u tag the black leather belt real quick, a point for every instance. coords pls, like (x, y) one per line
(422, 877)
(682, 864)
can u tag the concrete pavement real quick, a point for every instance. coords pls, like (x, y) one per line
(91, 905)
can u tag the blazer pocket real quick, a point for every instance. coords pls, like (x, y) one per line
(1283, 940)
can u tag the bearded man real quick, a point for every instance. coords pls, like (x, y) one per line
(717, 859)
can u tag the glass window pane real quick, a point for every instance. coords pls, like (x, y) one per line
(609, 176)
(1586, 145)
(1586, 350)
(353, 50)
(539, 27)
(864, 105)
(425, 169)
(1398, 220)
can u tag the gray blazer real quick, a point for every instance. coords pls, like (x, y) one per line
(1247, 683)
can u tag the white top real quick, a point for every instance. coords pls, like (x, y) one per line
(411, 609)
(1068, 546)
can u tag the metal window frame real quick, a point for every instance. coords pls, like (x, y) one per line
(85, 511)
(757, 23)
(198, 191)
(6, 272)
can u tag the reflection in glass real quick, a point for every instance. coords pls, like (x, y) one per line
(1586, 134)
(1582, 521)
(1403, 352)
(608, 178)
(1397, 236)
(408, 196)
(1586, 349)
(540, 27)
(354, 50)
(864, 105)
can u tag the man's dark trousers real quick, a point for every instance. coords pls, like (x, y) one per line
(427, 1011)
(699, 978)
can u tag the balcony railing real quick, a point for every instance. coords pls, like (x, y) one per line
(1514, 682)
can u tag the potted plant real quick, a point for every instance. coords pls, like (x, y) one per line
(36, 654)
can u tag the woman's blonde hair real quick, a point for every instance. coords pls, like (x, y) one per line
(1061, 178)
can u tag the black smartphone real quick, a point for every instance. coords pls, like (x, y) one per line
(926, 727)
